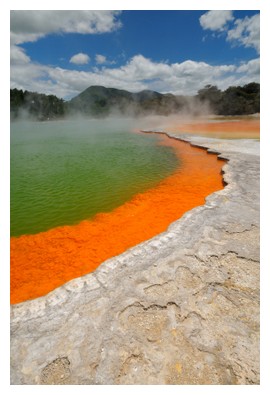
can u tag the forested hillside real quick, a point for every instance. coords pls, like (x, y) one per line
(35, 105)
(236, 100)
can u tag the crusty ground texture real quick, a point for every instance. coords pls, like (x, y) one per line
(181, 308)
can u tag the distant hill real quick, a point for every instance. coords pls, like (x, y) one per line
(99, 101)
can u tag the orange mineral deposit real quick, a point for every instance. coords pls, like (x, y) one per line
(44, 261)
(238, 128)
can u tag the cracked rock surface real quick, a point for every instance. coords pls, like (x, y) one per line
(181, 308)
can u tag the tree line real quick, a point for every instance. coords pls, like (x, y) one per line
(236, 100)
(35, 105)
(100, 101)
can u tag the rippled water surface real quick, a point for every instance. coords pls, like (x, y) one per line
(65, 171)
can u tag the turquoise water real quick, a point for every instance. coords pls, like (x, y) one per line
(65, 171)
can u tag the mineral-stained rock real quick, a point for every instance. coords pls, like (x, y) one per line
(181, 308)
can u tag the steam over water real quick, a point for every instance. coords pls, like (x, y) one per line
(65, 171)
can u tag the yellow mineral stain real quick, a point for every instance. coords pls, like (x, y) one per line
(173, 332)
(178, 367)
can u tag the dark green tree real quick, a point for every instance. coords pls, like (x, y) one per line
(212, 95)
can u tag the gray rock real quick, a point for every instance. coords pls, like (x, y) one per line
(181, 308)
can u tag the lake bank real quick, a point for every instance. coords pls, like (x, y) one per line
(181, 308)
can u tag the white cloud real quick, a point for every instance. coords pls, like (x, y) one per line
(31, 25)
(100, 59)
(246, 32)
(18, 55)
(80, 58)
(216, 20)
(137, 74)
(139, 68)
(251, 68)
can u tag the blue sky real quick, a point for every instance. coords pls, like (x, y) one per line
(64, 52)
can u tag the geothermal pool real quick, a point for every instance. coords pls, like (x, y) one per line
(82, 192)
(65, 171)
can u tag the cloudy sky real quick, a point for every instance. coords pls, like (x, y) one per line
(64, 52)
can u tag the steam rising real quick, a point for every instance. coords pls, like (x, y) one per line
(138, 114)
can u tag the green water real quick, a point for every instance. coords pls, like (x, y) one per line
(65, 171)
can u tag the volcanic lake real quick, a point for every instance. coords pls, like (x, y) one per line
(65, 171)
(85, 191)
